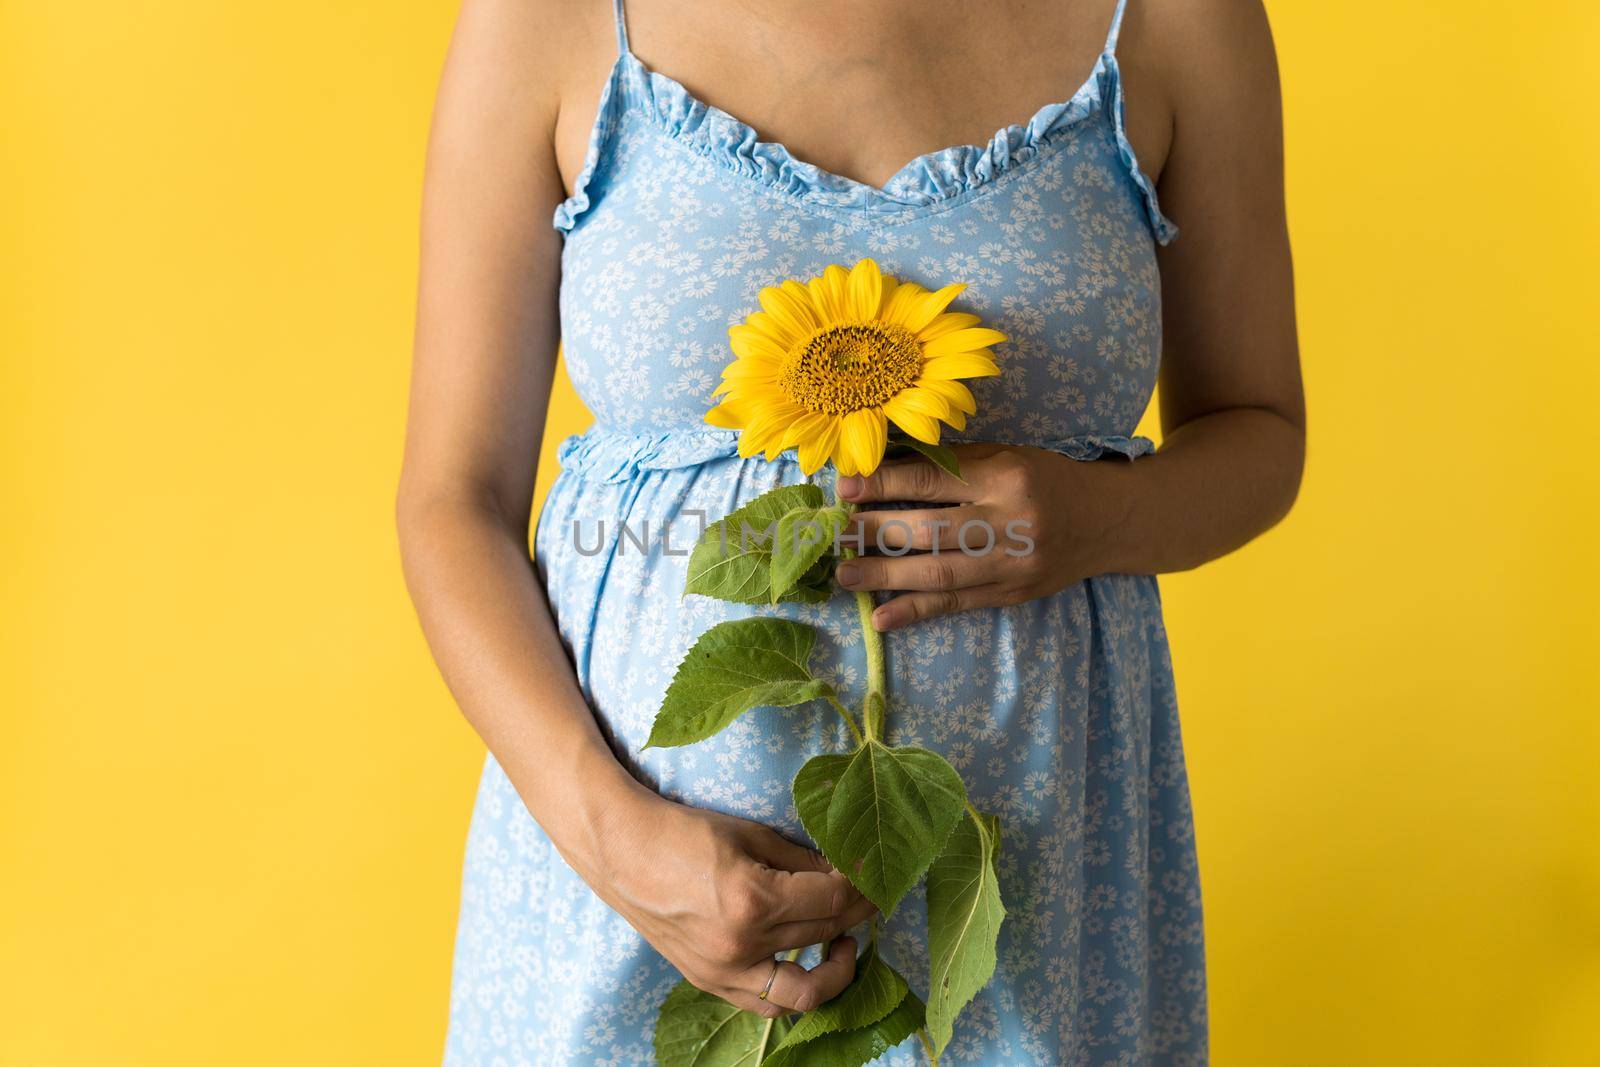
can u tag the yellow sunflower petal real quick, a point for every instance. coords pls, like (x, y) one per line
(862, 440)
(765, 431)
(890, 287)
(961, 365)
(828, 294)
(900, 302)
(864, 291)
(749, 444)
(818, 448)
(961, 341)
(924, 402)
(801, 295)
(922, 427)
(751, 342)
(928, 306)
(747, 388)
(754, 390)
(804, 428)
(730, 415)
(844, 460)
(755, 403)
(819, 301)
(947, 323)
(783, 333)
(752, 367)
(958, 396)
(794, 312)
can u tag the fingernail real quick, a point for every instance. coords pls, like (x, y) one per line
(848, 574)
(850, 485)
(880, 620)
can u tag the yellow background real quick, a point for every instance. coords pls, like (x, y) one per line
(234, 793)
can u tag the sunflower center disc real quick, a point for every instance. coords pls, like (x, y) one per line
(841, 369)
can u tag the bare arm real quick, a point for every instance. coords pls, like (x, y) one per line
(485, 356)
(1231, 400)
(1232, 410)
(718, 896)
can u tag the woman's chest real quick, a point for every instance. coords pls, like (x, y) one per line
(1054, 252)
(860, 89)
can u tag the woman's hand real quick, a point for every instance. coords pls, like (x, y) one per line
(720, 897)
(1026, 523)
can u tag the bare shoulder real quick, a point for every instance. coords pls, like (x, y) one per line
(1187, 65)
(520, 72)
(580, 39)
(491, 148)
(1202, 85)
(1203, 48)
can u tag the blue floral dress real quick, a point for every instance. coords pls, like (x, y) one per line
(1059, 713)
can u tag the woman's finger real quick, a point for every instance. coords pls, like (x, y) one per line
(817, 931)
(905, 480)
(915, 607)
(793, 988)
(749, 1001)
(800, 895)
(930, 571)
(923, 529)
(775, 850)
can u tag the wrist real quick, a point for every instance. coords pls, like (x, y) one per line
(603, 813)
(1106, 506)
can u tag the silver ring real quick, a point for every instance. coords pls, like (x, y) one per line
(770, 978)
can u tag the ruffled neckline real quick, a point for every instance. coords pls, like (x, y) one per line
(927, 179)
(935, 178)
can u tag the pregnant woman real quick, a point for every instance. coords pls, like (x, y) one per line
(692, 153)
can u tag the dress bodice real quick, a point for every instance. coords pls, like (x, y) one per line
(682, 214)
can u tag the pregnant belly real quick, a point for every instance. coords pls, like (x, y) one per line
(1005, 694)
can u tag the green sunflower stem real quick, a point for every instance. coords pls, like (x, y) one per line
(844, 713)
(874, 706)
(872, 712)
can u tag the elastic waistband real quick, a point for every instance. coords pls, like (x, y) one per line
(609, 455)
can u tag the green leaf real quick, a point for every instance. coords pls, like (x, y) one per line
(964, 916)
(733, 667)
(852, 1048)
(876, 990)
(733, 558)
(942, 457)
(815, 585)
(821, 572)
(696, 1029)
(880, 815)
(804, 536)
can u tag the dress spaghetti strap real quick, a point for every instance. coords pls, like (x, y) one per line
(622, 27)
(1111, 38)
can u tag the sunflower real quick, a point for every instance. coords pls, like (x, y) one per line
(826, 365)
